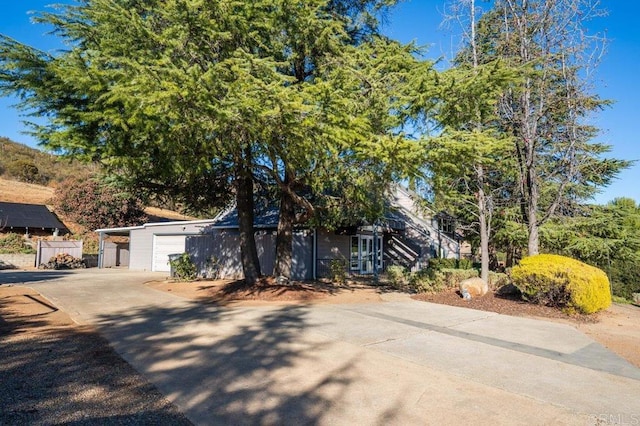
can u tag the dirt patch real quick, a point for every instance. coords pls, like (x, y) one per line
(157, 214)
(506, 305)
(56, 372)
(618, 329)
(267, 291)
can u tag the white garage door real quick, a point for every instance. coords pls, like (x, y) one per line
(163, 246)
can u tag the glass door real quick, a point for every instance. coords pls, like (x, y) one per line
(366, 254)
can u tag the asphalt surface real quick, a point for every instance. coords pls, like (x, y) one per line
(396, 362)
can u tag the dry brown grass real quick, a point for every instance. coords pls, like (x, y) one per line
(158, 213)
(12, 191)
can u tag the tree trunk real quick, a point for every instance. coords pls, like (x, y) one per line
(482, 198)
(284, 237)
(244, 204)
(532, 210)
(534, 240)
(484, 227)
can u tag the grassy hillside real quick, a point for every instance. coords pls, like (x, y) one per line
(30, 176)
(12, 191)
(25, 164)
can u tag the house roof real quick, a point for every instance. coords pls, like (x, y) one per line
(266, 217)
(18, 215)
(125, 229)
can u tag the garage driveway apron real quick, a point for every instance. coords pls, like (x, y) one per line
(397, 362)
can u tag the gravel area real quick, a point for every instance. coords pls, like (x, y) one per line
(55, 372)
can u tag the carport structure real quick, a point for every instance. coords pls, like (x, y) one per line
(146, 247)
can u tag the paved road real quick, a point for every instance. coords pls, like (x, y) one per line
(398, 362)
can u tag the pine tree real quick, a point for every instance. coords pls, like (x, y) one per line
(181, 93)
(558, 162)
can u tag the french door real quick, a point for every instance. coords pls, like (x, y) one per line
(363, 254)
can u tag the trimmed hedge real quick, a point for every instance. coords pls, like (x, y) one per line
(438, 263)
(555, 280)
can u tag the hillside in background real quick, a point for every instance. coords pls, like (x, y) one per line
(29, 176)
(12, 191)
(25, 164)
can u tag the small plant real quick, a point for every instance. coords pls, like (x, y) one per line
(337, 270)
(15, 243)
(465, 264)
(439, 263)
(212, 267)
(451, 278)
(621, 300)
(498, 280)
(397, 276)
(183, 267)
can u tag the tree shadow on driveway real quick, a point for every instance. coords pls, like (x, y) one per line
(25, 277)
(233, 366)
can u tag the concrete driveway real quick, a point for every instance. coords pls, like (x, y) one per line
(397, 362)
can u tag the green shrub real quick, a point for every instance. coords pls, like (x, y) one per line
(561, 281)
(451, 278)
(465, 264)
(397, 276)
(498, 279)
(338, 271)
(183, 267)
(625, 278)
(14, 243)
(25, 170)
(424, 281)
(438, 263)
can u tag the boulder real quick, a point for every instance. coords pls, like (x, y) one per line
(473, 287)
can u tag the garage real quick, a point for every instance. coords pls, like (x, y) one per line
(150, 244)
(163, 246)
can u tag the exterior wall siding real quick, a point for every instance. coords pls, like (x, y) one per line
(421, 218)
(332, 246)
(223, 247)
(115, 254)
(302, 260)
(266, 246)
(140, 245)
(218, 251)
(141, 242)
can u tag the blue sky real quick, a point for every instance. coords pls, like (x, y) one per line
(419, 21)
